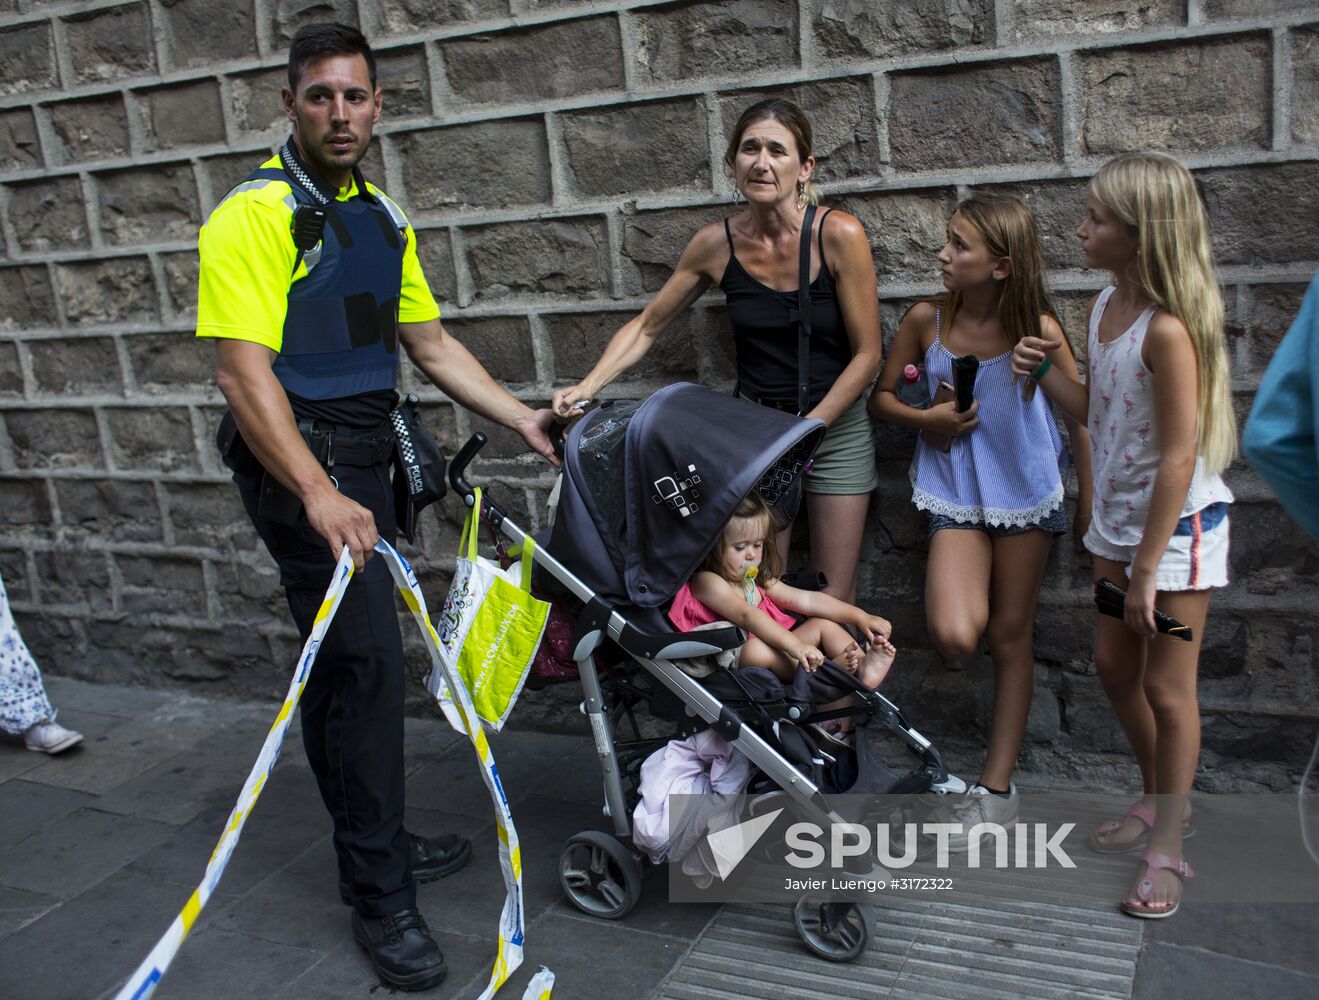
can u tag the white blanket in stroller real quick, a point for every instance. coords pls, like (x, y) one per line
(703, 766)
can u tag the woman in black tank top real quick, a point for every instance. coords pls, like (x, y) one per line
(754, 256)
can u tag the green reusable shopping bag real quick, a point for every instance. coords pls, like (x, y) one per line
(491, 626)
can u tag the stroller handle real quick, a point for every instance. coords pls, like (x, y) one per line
(458, 467)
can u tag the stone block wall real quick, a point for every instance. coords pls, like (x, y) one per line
(555, 156)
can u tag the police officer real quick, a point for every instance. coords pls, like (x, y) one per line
(306, 331)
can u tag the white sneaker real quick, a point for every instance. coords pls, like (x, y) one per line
(48, 736)
(979, 805)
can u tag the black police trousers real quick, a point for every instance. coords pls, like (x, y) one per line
(352, 706)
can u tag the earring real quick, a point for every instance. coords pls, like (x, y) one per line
(801, 194)
(737, 193)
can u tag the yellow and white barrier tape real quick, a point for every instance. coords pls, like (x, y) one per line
(448, 688)
(540, 986)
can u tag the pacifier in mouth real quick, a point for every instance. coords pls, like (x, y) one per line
(749, 583)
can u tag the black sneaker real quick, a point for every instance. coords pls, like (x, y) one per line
(401, 948)
(430, 858)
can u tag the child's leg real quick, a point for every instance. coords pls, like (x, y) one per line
(1018, 571)
(837, 644)
(870, 664)
(957, 590)
(1120, 663)
(1169, 688)
(876, 663)
(758, 653)
(833, 640)
(829, 637)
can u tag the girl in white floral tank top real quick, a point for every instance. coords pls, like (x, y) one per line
(1159, 410)
(1124, 455)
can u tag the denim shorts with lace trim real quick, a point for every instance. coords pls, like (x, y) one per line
(1054, 522)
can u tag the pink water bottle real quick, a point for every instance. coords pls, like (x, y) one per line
(912, 390)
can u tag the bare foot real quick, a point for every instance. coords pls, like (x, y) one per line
(1163, 892)
(878, 660)
(1130, 831)
(851, 658)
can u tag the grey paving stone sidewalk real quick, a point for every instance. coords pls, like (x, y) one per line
(101, 847)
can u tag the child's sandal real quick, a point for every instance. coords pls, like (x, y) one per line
(1138, 811)
(1139, 905)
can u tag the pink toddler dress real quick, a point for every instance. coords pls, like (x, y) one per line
(688, 613)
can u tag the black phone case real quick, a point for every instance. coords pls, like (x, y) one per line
(964, 380)
(1111, 600)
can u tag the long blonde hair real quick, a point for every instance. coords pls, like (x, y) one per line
(1008, 227)
(1156, 196)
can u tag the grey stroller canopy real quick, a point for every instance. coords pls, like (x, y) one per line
(648, 487)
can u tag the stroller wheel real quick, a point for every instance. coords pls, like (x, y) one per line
(600, 875)
(835, 930)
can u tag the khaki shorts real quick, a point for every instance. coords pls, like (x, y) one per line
(845, 462)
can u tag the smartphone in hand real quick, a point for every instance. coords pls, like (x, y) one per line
(944, 394)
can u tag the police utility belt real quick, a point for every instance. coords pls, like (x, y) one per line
(402, 440)
(334, 445)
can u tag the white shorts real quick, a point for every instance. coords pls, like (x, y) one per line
(1196, 558)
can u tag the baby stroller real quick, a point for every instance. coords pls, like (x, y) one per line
(645, 493)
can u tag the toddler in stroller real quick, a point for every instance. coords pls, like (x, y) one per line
(646, 492)
(727, 587)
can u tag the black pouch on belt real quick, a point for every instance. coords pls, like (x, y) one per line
(419, 466)
(234, 452)
(274, 500)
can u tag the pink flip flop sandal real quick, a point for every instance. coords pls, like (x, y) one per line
(1137, 811)
(1140, 905)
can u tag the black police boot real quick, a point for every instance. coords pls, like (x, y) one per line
(401, 949)
(430, 858)
(436, 857)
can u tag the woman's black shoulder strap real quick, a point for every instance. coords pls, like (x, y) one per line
(804, 314)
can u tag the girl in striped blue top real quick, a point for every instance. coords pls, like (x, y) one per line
(995, 494)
